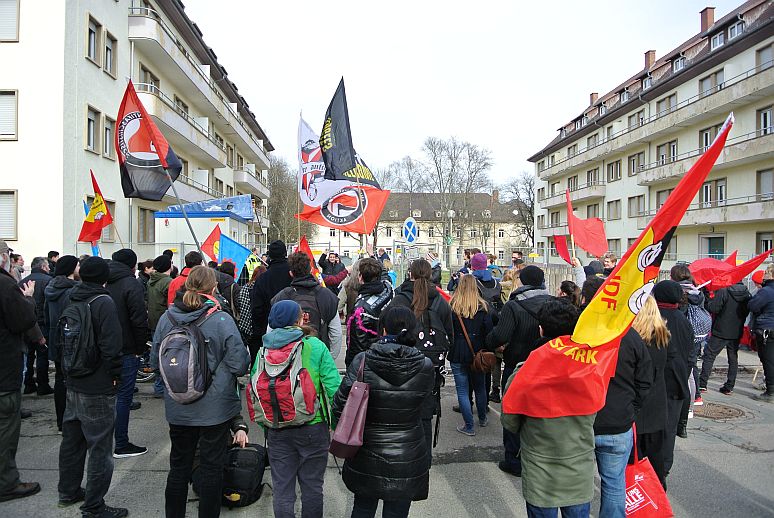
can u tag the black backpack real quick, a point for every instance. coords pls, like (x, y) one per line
(492, 296)
(242, 475)
(432, 339)
(307, 299)
(77, 342)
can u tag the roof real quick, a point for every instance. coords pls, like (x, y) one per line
(401, 204)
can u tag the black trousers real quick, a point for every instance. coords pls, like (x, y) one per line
(674, 407)
(651, 445)
(765, 341)
(60, 395)
(37, 366)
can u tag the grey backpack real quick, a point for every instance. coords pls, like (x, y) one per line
(183, 360)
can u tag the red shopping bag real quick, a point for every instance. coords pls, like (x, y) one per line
(645, 497)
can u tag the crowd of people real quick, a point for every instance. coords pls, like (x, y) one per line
(99, 320)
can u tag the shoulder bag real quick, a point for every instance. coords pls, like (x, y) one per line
(483, 361)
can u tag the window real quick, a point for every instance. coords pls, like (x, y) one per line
(764, 58)
(630, 242)
(541, 194)
(707, 135)
(501, 233)
(486, 213)
(332, 232)
(572, 150)
(647, 82)
(416, 213)
(592, 140)
(578, 124)
(592, 176)
(717, 41)
(554, 216)
(636, 206)
(624, 96)
(109, 61)
(500, 255)
(9, 20)
(229, 191)
(229, 155)
(107, 143)
(764, 241)
(667, 152)
(487, 234)
(552, 159)
(614, 246)
(765, 185)
(7, 114)
(93, 40)
(712, 83)
(541, 166)
(661, 197)
(764, 119)
(431, 232)
(459, 254)
(438, 214)
(218, 186)
(614, 209)
(636, 162)
(473, 232)
(7, 207)
(712, 245)
(602, 109)
(671, 252)
(92, 130)
(572, 183)
(720, 191)
(636, 119)
(678, 64)
(181, 106)
(146, 229)
(609, 133)
(393, 213)
(592, 211)
(541, 221)
(555, 188)
(346, 234)
(735, 30)
(184, 163)
(667, 104)
(240, 161)
(613, 171)
(584, 120)
(389, 231)
(147, 77)
(562, 132)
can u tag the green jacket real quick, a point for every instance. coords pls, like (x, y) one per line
(158, 287)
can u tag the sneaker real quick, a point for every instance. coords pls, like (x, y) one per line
(30, 389)
(130, 450)
(108, 512)
(494, 397)
(506, 469)
(45, 390)
(702, 389)
(484, 423)
(682, 431)
(21, 490)
(727, 391)
(466, 431)
(698, 401)
(135, 405)
(766, 397)
(25, 413)
(456, 408)
(80, 496)
(690, 414)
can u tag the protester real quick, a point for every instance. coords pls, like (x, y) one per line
(435, 268)
(53, 257)
(245, 322)
(300, 453)
(393, 464)
(129, 301)
(390, 272)
(517, 259)
(191, 259)
(557, 454)
(762, 308)
(17, 266)
(383, 255)
(589, 289)
(205, 422)
(144, 271)
(570, 291)
(348, 291)
(332, 270)
(17, 307)
(610, 260)
(488, 287)
(515, 335)
(651, 420)
(90, 412)
(373, 294)
(228, 288)
(320, 306)
(471, 311)
(276, 278)
(509, 282)
(158, 290)
(36, 379)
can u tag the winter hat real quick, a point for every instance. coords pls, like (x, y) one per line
(162, 263)
(757, 277)
(593, 268)
(277, 250)
(532, 276)
(125, 256)
(478, 262)
(668, 292)
(66, 265)
(283, 314)
(94, 270)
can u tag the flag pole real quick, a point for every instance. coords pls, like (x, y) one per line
(182, 209)
(118, 234)
(574, 254)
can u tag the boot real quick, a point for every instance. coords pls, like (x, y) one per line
(766, 397)
(682, 429)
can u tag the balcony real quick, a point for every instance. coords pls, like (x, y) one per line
(553, 229)
(586, 192)
(191, 190)
(249, 182)
(756, 83)
(739, 150)
(745, 209)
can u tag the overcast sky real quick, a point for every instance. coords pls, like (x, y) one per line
(501, 74)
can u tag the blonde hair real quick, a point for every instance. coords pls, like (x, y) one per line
(466, 301)
(510, 276)
(650, 325)
(201, 281)
(769, 274)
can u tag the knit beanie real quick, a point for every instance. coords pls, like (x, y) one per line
(94, 270)
(668, 292)
(478, 262)
(66, 265)
(125, 256)
(162, 263)
(531, 276)
(277, 250)
(283, 314)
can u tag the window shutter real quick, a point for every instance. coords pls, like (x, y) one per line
(9, 17)
(7, 215)
(7, 113)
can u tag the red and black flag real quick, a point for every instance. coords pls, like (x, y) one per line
(143, 152)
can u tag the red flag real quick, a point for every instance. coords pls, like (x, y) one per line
(143, 152)
(211, 245)
(98, 217)
(731, 259)
(561, 248)
(589, 234)
(353, 209)
(444, 294)
(303, 247)
(569, 375)
(716, 274)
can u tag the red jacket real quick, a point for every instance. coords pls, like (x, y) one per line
(176, 284)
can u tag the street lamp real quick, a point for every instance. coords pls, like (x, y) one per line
(450, 215)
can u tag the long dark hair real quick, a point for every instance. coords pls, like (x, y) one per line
(420, 272)
(400, 322)
(571, 291)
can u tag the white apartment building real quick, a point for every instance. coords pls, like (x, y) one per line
(66, 65)
(623, 155)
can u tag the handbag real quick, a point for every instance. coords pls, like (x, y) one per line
(483, 361)
(348, 436)
(645, 496)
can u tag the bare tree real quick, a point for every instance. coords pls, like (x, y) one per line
(283, 203)
(521, 191)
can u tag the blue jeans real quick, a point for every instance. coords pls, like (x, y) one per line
(158, 385)
(124, 398)
(462, 377)
(570, 511)
(612, 453)
(511, 441)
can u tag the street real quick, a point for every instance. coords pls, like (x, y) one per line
(725, 468)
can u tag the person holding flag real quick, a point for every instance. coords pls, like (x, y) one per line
(97, 217)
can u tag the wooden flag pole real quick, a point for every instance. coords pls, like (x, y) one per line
(574, 254)
(182, 209)
(118, 235)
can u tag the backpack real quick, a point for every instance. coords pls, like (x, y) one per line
(242, 475)
(493, 296)
(307, 299)
(77, 342)
(283, 388)
(700, 321)
(432, 339)
(183, 360)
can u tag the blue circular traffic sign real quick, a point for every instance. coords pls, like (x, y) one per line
(410, 230)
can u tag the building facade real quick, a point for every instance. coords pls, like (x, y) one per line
(622, 156)
(55, 127)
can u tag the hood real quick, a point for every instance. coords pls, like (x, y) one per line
(527, 292)
(56, 289)
(372, 288)
(394, 363)
(183, 314)
(307, 281)
(157, 277)
(739, 292)
(483, 275)
(279, 338)
(118, 271)
(86, 290)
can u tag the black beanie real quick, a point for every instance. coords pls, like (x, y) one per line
(532, 276)
(94, 270)
(66, 265)
(126, 256)
(277, 250)
(162, 263)
(668, 292)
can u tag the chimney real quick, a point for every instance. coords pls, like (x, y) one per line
(495, 196)
(593, 98)
(650, 58)
(707, 18)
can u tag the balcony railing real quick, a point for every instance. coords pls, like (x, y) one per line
(255, 175)
(202, 187)
(728, 202)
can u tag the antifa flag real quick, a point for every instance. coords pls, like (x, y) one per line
(341, 160)
(143, 152)
(97, 217)
(569, 375)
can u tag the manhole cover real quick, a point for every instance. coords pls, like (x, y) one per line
(717, 411)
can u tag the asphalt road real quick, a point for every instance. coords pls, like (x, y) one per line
(723, 469)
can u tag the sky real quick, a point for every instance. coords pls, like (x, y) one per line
(504, 75)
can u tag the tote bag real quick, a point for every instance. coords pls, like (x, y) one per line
(348, 436)
(645, 496)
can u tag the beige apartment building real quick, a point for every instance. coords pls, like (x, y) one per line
(623, 155)
(55, 127)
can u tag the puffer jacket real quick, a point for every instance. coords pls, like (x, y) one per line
(129, 298)
(57, 297)
(362, 325)
(762, 306)
(394, 461)
(227, 357)
(729, 308)
(158, 293)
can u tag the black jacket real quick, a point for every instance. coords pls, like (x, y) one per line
(394, 461)
(229, 290)
(362, 325)
(41, 279)
(628, 388)
(435, 275)
(57, 297)
(327, 302)
(518, 327)
(107, 335)
(762, 306)
(652, 417)
(680, 343)
(17, 316)
(129, 299)
(729, 308)
(478, 328)
(272, 281)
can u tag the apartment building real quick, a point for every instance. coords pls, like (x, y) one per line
(622, 156)
(66, 66)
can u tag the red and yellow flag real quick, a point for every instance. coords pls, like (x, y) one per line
(570, 374)
(97, 218)
(303, 247)
(211, 245)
